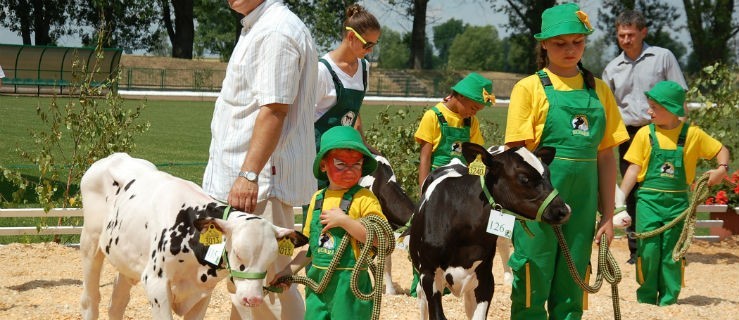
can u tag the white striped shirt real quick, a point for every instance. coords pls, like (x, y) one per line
(274, 61)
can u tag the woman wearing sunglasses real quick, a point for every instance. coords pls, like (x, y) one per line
(343, 73)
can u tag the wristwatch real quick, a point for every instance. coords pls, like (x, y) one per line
(249, 175)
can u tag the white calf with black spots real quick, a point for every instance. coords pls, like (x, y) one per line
(148, 225)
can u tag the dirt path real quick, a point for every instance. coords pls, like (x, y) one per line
(43, 281)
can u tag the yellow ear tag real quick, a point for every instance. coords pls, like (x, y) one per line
(476, 167)
(286, 247)
(211, 235)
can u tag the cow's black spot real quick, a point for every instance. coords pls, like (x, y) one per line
(133, 195)
(128, 185)
(181, 261)
(153, 253)
(146, 278)
(115, 183)
(203, 278)
(242, 267)
(213, 272)
(156, 301)
(159, 274)
(449, 279)
(116, 240)
(183, 205)
(146, 225)
(185, 250)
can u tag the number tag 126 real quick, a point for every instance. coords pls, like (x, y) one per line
(500, 224)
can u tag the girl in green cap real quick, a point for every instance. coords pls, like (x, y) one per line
(333, 214)
(447, 125)
(663, 158)
(563, 106)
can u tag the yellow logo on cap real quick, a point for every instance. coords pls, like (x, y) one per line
(584, 18)
(487, 97)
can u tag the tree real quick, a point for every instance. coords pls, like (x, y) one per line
(182, 33)
(218, 28)
(127, 24)
(393, 51)
(323, 17)
(444, 35)
(417, 10)
(711, 27)
(478, 48)
(525, 21)
(44, 19)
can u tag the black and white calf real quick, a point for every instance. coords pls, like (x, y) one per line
(148, 224)
(396, 205)
(449, 245)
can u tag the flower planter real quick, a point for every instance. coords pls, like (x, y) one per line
(729, 215)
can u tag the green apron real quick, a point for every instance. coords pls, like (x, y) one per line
(662, 196)
(346, 109)
(337, 301)
(343, 113)
(575, 126)
(450, 145)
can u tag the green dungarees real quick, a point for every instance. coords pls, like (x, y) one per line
(575, 126)
(337, 301)
(450, 147)
(346, 109)
(343, 113)
(663, 195)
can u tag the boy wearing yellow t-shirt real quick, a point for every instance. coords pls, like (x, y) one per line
(663, 159)
(449, 123)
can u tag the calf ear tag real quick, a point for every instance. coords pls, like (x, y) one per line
(476, 167)
(286, 247)
(211, 235)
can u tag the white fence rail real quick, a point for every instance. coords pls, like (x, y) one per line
(59, 212)
(298, 211)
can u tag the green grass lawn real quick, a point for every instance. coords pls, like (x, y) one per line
(177, 141)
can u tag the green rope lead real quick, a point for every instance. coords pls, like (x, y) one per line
(376, 228)
(607, 268)
(698, 196)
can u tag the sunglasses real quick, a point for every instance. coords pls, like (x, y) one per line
(365, 44)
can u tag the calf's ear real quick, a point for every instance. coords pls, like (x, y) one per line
(471, 150)
(298, 239)
(546, 154)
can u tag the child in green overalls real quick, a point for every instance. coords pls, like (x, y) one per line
(447, 125)
(563, 106)
(663, 159)
(333, 214)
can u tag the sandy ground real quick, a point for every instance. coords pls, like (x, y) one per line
(44, 281)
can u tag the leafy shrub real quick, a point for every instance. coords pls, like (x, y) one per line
(717, 90)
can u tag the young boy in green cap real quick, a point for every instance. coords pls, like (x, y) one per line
(452, 121)
(447, 125)
(663, 159)
(333, 214)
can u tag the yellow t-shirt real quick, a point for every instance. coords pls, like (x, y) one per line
(429, 129)
(528, 109)
(363, 204)
(698, 144)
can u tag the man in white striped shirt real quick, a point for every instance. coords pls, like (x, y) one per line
(263, 143)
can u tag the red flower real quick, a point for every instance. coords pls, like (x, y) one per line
(721, 197)
(710, 200)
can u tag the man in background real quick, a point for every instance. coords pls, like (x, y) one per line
(636, 70)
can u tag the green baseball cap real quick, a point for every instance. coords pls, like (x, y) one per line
(563, 19)
(343, 137)
(476, 88)
(670, 95)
